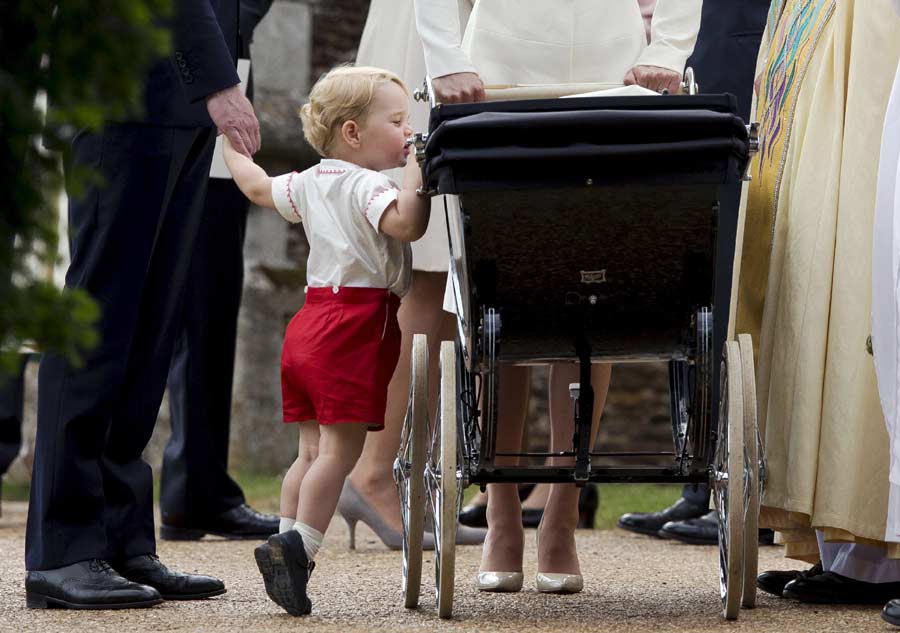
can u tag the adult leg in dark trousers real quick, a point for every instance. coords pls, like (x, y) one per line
(724, 60)
(12, 389)
(197, 494)
(92, 493)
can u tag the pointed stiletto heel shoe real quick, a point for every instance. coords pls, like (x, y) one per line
(353, 508)
(499, 581)
(351, 530)
(548, 582)
(558, 583)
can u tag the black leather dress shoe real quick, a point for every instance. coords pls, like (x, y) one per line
(891, 612)
(172, 585)
(697, 531)
(766, 536)
(703, 531)
(285, 569)
(240, 522)
(831, 588)
(773, 582)
(474, 515)
(650, 523)
(90, 584)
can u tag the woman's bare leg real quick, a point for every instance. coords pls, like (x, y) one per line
(556, 548)
(505, 538)
(421, 312)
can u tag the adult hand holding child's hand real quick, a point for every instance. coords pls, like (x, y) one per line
(234, 117)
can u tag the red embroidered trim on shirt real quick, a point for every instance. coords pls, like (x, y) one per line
(379, 191)
(325, 170)
(289, 197)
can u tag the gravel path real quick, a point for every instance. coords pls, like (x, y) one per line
(632, 584)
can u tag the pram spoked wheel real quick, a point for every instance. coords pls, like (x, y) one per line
(408, 472)
(441, 482)
(752, 481)
(728, 480)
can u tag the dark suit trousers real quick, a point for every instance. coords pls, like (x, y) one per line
(12, 389)
(195, 477)
(724, 60)
(131, 246)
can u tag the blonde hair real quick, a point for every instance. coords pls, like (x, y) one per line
(342, 94)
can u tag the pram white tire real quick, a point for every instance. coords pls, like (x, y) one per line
(446, 506)
(728, 481)
(409, 472)
(752, 454)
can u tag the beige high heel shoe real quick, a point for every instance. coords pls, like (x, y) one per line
(500, 581)
(558, 583)
(546, 582)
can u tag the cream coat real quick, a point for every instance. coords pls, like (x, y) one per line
(565, 41)
(390, 41)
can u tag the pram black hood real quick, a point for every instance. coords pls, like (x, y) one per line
(587, 141)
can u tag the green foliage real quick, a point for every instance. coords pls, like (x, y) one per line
(88, 57)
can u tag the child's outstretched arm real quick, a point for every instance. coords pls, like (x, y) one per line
(407, 218)
(250, 178)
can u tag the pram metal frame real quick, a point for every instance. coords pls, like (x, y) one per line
(470, 367)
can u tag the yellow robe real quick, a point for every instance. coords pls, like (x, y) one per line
(805, 276)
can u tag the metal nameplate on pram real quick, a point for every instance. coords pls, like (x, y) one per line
(593, 276)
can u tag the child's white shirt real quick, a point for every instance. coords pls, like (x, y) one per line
(340, 205)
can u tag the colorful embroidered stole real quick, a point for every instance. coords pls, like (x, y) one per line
(795, 28)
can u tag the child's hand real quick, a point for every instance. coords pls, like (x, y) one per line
(250, 178)
(412, 175)
(227, 147)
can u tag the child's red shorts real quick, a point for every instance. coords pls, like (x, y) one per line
(339, 354)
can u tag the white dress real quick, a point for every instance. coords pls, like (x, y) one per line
(390, 41)
(886, 294)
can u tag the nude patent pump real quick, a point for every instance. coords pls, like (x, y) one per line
(546, 582)
(499, 581)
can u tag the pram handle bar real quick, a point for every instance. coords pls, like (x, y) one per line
(544, 91)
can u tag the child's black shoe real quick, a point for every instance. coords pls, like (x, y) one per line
(285, 568)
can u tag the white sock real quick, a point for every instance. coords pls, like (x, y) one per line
(286, 524)
(312, 539)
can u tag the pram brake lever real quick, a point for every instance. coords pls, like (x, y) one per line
(426, 93)
(752, 148)
(419, 140)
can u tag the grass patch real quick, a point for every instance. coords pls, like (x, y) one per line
(15, 490)
(263, 491)
(617, 499)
